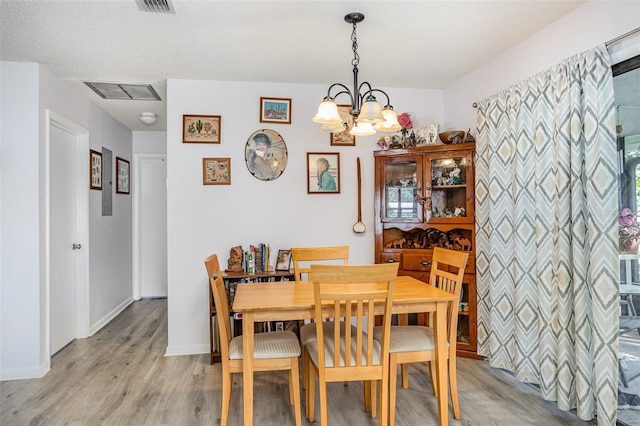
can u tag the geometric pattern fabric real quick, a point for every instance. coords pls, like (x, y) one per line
(547, 236)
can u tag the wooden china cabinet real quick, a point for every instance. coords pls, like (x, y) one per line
(424, 199)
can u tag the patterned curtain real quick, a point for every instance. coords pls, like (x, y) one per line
(546, 255)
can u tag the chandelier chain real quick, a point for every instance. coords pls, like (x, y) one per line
(354, 46)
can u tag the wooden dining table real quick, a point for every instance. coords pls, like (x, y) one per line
(282, 301)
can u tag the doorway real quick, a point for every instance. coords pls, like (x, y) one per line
(150, 226)
(67, 256)
(626, 77)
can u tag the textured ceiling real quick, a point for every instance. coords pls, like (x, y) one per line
(421, 44)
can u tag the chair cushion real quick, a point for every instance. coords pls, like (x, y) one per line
(308, 331)
(312, 348)
(276, 344)
(407, 338)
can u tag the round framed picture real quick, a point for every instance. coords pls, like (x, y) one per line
(265, 154)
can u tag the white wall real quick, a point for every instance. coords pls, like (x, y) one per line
(212, 219)
(149, 142)
(20, 275)
(27, 91)
(592, 24)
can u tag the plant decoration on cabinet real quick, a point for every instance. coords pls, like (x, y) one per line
(425, 199)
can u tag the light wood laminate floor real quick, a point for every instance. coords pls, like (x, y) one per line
(120, 376)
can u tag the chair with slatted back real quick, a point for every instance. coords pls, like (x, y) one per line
(273, 351)
(302, 257)
(350, 292)
(413, 343)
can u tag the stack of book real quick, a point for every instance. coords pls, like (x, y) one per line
(257, 259)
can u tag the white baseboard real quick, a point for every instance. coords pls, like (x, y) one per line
(187, 350)
(26, 373)
(111, 315)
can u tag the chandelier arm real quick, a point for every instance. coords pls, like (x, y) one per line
(346, 90)
(385, 94)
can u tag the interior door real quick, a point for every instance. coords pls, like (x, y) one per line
(63, 236)
(152, 225)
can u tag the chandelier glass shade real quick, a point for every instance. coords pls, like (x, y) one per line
(368, 115)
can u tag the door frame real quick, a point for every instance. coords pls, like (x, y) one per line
(82, 213)
(137, 281)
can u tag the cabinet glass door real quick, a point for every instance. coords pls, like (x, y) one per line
(402, 182)
(451, 183)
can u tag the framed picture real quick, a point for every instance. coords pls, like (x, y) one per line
(216, 171)
(266, 154)
(95, 165)
(344, 138)
(122, 173)
(275, 110)
(323, 173)
(283, 261)
(201, 128)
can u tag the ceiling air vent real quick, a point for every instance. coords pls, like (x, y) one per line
(134, 92)
(160, 6)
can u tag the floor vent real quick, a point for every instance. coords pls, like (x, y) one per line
(159, 6)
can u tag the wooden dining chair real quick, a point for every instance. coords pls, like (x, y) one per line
(413, 343)
(341, 355)
(273, 351)
(302, 258)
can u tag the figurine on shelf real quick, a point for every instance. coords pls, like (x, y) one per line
(395, 142)
(235, 259)
(455, 178)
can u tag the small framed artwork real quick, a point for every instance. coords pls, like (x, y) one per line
(95, 166)
(283, 261)
(216, 171)
(201, 128)
(323, 173)
(344, 138)
(122, 173)
(279, 325)
(265, 154)
(275, 110)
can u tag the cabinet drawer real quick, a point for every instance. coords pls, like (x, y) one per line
(422, 262)
(416, 262)
(389, 257)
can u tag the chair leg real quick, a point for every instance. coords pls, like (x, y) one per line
(311, 391)
(393, 374)
(367, 396)
(226, 398)
(303, 358)
(291, 385)
(433, 374)
(324, 411)
(373, 385)
(384, 400)
(294, 388)
(453, 383)
(405, 375)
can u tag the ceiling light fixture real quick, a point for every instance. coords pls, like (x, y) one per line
(365, 109)
(148, 118)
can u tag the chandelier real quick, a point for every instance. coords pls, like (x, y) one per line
(365, 109)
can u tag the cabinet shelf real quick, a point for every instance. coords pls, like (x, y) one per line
(445, 187)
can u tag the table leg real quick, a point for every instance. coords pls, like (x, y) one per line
(441, 362)
(247, 366)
